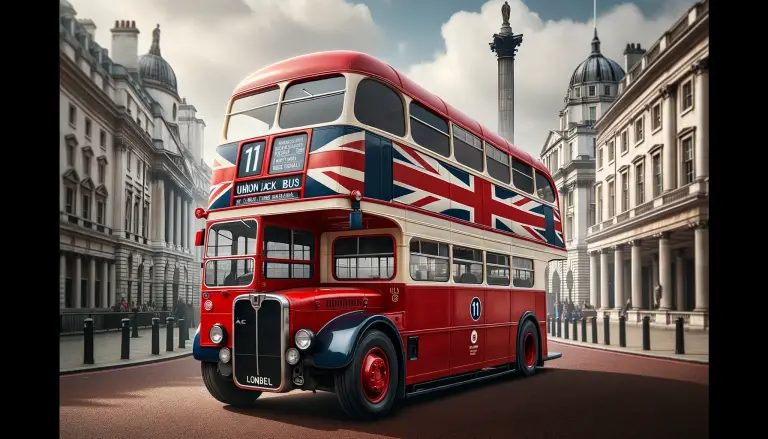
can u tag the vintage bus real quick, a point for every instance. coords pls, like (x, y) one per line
(364, 237)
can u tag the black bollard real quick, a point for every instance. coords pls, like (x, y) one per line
(575, 330)
(594, 329)
(679, 337)
(125, 346)
(558, 328)
(646, 333)
(182, 339)
(565, 329)
(155, 336)
(135, 333)
(88, 341)
(549, 323)
(169, 334)
(552, 329)
(622, 331)
(584, 329)
(607, 329)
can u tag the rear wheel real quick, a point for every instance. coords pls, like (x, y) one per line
(527, 349)
(224, 388)
(367, 387)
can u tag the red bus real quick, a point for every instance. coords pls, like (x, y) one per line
(364, 237)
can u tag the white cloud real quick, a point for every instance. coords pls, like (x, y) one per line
(465, 72)
(213, 45)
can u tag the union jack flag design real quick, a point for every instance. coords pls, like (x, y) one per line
(336, 163)
(222, 176)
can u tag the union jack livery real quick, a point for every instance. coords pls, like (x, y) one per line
(364, 237)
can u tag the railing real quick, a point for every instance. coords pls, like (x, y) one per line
(84, 223)
(622, 217)
(72, 322)
(675, 194)
(643, 208)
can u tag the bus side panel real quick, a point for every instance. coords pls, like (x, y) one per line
(378, 167)
(466, 355)
(497, 311)
(541, 312)
(522, 301)
(426, 310)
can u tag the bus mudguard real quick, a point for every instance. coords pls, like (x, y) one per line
(336, 341)
(532, 316)
(203, 354)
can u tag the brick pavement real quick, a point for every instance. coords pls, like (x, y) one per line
(107, 346)
(662, 341)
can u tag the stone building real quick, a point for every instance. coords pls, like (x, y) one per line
(132, 172)
(650, 243)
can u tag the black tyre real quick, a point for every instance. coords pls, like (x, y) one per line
(367, 387)
(527, 349)
(224, 388)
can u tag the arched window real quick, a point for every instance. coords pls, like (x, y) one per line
(379, 106)
(136, 217)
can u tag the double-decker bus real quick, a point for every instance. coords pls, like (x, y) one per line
(364, 237)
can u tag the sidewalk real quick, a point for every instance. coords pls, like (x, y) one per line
(662, 342)
(106, 350)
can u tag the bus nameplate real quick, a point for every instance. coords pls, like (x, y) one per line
(256, 187)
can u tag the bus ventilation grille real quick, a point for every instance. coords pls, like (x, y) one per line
(343, 303)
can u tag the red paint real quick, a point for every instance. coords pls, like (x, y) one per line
(374, 375)
(529, 349)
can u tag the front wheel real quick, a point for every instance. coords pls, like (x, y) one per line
(367, 387)
(224, 388)
(527, 349)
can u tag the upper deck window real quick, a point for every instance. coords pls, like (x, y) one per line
(544, 188)
(313, 102)
(467, 148)
(430, 130)
(252, 115)
(283, 248)
(232, 238)
(365, 257)
(522, 176)
(498, 163)
(379, 106)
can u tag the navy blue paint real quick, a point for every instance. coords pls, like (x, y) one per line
(549, 225)
(456, 172)
(336, 342)
(378, 167)
(203, 354)
(503, 227)
(355, 220)
(475, 309)
(457, 213)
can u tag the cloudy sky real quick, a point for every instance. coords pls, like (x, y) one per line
(440, 44)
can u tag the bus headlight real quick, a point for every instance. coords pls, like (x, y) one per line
(303, 339)
(292, 356)
(225, 355)
(217, 334)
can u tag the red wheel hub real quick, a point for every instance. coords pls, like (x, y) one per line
(529, 350)
(374, 375)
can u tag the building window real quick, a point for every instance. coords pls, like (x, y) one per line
(591, 212)
(656, 175)
(656, 117)
(136, 218)
(611, 199)
(128, 213)
(576, 93)
(429, 261)
(607, 90)
(688, 168)
(624, 141)
(611, 150)
(624, 191)
(569, 227)
(569, 199)
(102, 172)
(686, 93)
(594, 147)
(591, 90)
(86, 206)
(102, 139)
(639, 130)
(129, 159)
(69, 204)
(71, 156)
(593, 114)
(100, 211)
(72, 116)
(145, 225)
(599, 193)
(86, 164)
(639, 184)
(600, 158)
(571, 151)
(88, 128)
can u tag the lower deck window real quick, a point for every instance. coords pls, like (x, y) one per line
(522, 272)
(429, 261)
(364, 257)
(288, 253)
(467, 265)
(498, 268)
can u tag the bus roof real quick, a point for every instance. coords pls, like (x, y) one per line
(339, 61)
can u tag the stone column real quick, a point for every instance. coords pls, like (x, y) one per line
(669, 155)
(701, 101)
(637, 275)
(665, 272)
(104, 280)
(594, 280)
(76, 275)
(654, 278)
(618, 277)
(62, 280)
(701, 248)
(177, 217)
(184, 223)
(680, 281)
(112, 284)
(92, 283)
(604, 288)
(169, 221)
(191, 225)
(158, 205)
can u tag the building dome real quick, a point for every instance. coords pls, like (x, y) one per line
(597, 68)
(66, 9)
(154, 70)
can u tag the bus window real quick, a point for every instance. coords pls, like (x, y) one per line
(429, 261)
(289, 246)
(522, 176)
(379, 106)
(498, 268)
(467, 148)
(228, 272)
(544, 188)
(467, 265)
(498, 163)
(522, 273)
(430, 130)
(312, 102)
(232, 238)
(370, 257)
(252, 115)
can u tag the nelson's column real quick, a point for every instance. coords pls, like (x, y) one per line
(505, 45)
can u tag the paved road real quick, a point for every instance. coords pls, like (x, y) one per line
(576, 396)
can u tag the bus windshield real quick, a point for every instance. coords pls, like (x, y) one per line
(252, 115)
(227, 239)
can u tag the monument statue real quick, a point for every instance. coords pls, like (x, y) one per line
(505, 13)
(156, 34)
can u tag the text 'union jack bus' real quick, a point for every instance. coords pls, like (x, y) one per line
(364, 237)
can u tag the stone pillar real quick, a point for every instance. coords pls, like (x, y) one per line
(191, 225)
(669, 128)
(505, 45)
(665, 272)
(104, 280)
(177, 217)
(701, 102)
(62, 280)
(169, 221)
(701, 248)
(77, 273)
(594, 280)
(680, 281)
(654, 278)
(92, 283)
(637, 275)
(112, 284)
(118, 207)
(158, 205)
(618, 277)
(185, 223)
(604, 288)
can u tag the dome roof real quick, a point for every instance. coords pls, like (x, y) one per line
(597, 68)
(154, 70)
(66, 9)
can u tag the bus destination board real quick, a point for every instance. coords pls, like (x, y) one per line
(257, 187)
(267, 197)
(288, 154)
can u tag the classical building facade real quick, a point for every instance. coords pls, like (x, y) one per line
(650, 242)
(132, 172)
(569, 153)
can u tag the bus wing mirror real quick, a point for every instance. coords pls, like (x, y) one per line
(199, 238)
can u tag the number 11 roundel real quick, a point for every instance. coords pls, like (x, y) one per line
(475, 309)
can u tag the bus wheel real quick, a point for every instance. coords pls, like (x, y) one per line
(367, 387)
(527, 349)
(224, 389)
